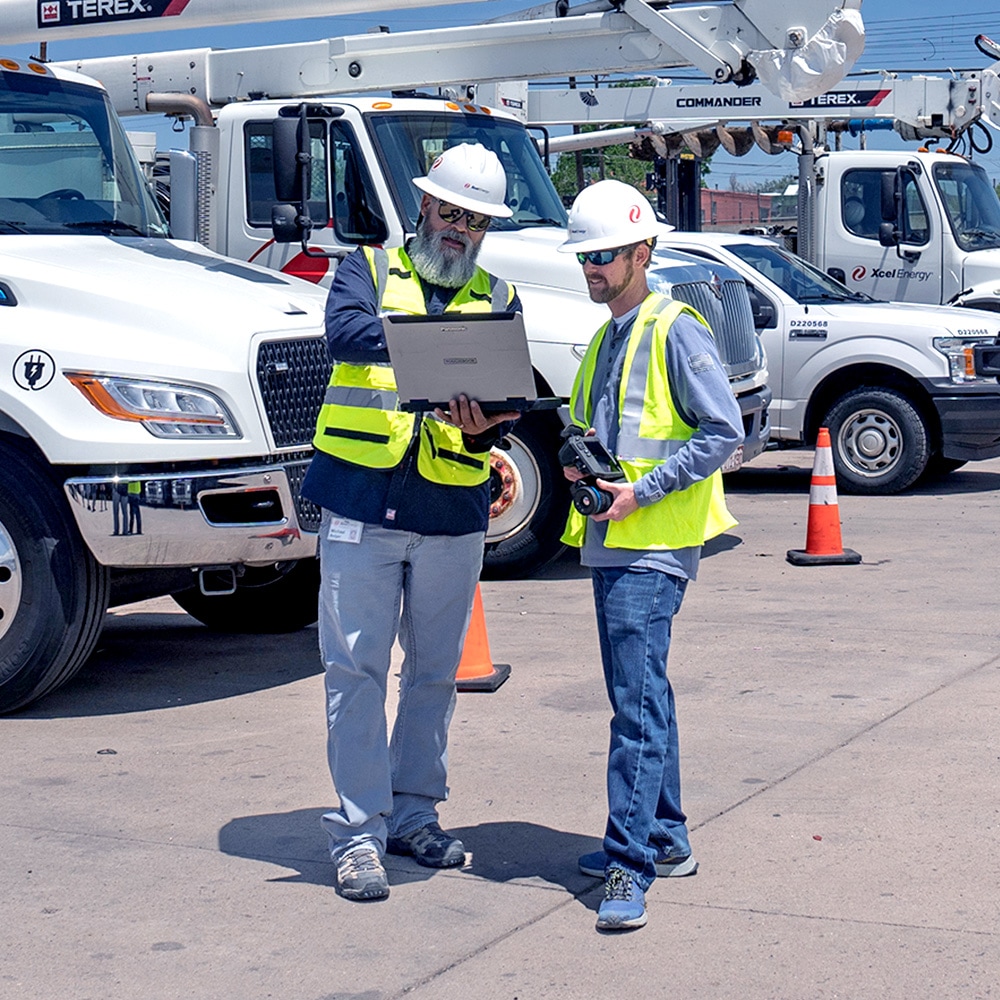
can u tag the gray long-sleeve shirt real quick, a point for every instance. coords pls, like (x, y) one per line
(702, 395)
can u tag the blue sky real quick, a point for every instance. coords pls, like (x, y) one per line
(914, 36)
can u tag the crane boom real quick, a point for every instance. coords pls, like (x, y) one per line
(922, 102)
(727, 41)
(26, 21)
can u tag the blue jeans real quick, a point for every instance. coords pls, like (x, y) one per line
(421, 587)
(635, 610)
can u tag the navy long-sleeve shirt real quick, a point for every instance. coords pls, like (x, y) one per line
(399, 497)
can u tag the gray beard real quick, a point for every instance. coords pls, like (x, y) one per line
(440, 265)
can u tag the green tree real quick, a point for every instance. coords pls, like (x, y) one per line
(596, 164)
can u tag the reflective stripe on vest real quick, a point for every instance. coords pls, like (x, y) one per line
(650, 431)
(360, 421)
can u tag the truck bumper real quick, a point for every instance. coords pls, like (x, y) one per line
(970, 425)
(756, 422)
(220, 518)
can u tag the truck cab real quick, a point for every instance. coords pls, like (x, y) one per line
(916, 227)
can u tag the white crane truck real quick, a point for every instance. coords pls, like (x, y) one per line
(906, 387)
(156, 400)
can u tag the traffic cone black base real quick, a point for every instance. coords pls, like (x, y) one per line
(488, 682)
(799, 557)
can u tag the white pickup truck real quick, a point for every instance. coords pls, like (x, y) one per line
(896, 384)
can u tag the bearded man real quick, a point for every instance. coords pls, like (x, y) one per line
(405, 501)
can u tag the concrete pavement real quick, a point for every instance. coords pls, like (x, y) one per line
(160, 821)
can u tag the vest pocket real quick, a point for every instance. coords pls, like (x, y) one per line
(442, 458)
(377, 439)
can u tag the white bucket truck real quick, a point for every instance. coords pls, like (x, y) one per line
(360, 152)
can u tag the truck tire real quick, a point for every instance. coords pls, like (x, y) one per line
(881, 442)
(529, 500)
(53, 593)
(267, 600)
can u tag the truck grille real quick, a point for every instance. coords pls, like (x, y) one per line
(308, 513)
(730, 318)
(292, 375)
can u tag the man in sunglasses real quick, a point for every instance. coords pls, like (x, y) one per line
(651, 387)
(405, 501)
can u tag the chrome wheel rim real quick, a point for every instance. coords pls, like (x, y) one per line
(10, 581)
(870, 443)
(515, 490)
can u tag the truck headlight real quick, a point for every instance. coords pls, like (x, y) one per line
(165, 409)
(961, 361)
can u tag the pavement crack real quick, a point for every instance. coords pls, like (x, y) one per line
(487, 945)
(825, 918)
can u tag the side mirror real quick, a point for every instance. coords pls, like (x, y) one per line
(286, 224)
(837, 273)
(764, 315)
(887, 197)
(888, 235)
(286, 146)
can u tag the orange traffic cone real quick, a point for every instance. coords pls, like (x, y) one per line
(476, 669)
(823, 545)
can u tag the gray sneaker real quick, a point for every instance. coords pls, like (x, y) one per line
(360, 875)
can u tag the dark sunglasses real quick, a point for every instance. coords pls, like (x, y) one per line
(601, 257)
(475, 222)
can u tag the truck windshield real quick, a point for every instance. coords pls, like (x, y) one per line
(66, 165)
(793, 275)
(409, 142)
(971, 204)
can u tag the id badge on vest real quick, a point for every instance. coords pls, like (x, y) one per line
(343, 529)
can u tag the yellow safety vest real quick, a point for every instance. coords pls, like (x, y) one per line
(650, 430)
(360, 420)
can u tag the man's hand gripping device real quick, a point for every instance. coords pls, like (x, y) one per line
(595, 462)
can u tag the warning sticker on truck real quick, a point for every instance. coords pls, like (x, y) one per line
(60, 13)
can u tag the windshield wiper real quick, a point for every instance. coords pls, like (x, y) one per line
(826, 297)
(540, 222)
(107, 226)
(17, 227)
(981, 235)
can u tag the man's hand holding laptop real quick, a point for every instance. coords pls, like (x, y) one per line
(466, 414)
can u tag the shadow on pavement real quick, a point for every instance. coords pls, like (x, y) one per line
(500, 852)
(504, 851)
(147, 661)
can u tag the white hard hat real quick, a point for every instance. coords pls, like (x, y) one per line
(468, 175)
(610, 214)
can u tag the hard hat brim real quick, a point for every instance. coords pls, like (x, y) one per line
(610, 243)
(462, 201)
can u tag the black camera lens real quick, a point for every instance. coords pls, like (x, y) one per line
(590, 500)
